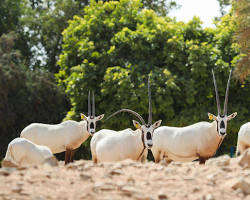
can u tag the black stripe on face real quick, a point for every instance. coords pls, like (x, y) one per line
(222, 124)
(92, 125)
(149, 136)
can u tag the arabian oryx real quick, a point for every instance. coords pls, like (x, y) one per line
(200, 140)
(111, 146)
(22, 152)
(243, 138)
(66, 136)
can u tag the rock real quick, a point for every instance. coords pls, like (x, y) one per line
(163, 162)
(162, 196)
(219, 161)
(226, 169)
(16, 189)
(245, 159)
(103, 187)
(115, 172)
(196, 189)
(51, 161)
(129, 190)
(209, 197)
(4, 172)
(241, 184)
(85, 176)
(131, 180)
(71, 166)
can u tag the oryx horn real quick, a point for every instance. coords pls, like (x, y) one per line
(93, 104)
(227, 91)
(149, 104)
(89, 107)
(129, 111)
(216, 93)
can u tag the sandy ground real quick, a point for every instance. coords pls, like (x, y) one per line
(220, 178)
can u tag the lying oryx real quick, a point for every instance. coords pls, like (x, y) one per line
(111, 146)
(200, 140)
(66, 136)
(22, 152)
(243, 138)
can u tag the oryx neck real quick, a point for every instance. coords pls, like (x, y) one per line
(84, 127)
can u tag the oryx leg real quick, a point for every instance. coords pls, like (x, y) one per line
(72, 155)
(67, 156)
(144, 156)
(202, 160)
(157, 156)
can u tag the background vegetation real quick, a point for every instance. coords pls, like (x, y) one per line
(52, 52)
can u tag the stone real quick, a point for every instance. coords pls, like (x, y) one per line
(162, 196)
(241, 184)
(209, 197)
(4, 172)
(51, 162)
(85, 176)
(244, 160)
(115, 172)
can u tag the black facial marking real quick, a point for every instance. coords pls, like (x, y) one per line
(92, 125)
(149, 136)
(222, 124)
(87, 126)
(222, 116)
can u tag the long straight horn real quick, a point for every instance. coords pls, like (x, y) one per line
(93, 104)
(227, 91)
(216, 92)
(89, 107)
(129, 111)
(149, 104)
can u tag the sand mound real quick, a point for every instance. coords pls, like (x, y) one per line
(220, 178)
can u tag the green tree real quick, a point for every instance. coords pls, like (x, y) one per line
(115, 45)
(26, 95)
(241, 12)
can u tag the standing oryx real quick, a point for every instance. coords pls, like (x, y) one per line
(66, 136)
(200, 140)
(111, 146)
(243, 138)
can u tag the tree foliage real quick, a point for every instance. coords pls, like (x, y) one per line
(242, 10)
(115, 45)
(26, 96)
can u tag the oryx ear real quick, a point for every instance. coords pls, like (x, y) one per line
(136, 124)
(99, 117)
(83, 117)
(211, 116)
(231, 116)
(157, 124)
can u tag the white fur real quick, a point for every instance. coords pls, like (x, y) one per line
(186, 143)
(112, 146)
(66, 135)
(243, 138)
(22, 152)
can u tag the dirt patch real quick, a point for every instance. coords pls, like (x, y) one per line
(220, 178)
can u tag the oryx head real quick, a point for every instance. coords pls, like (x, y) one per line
(147, 130)
(222, 119)
(91, 118)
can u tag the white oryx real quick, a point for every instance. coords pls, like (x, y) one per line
(243, 138)
(200, 140)
(22, 152)
(111, 146)
(66, 136)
